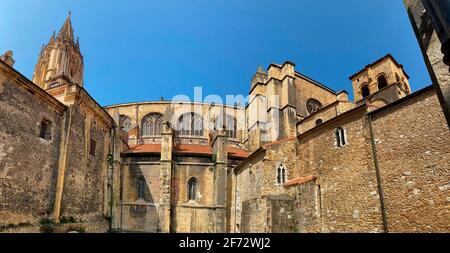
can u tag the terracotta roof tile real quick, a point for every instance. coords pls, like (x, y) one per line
(144, 148)
(279, 141)
(300, 180)
(184, 149)
(237, 152)
(192, 149)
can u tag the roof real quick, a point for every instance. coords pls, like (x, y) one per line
(300, 180)
(378, 61)
(194, 149)
(279, 141)
(172, 102)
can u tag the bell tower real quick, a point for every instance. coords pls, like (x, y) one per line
(60, 61)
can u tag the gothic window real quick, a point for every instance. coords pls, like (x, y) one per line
(152, 124)
(365, 91)
(192, 188)
(341, 138)
(45, 131)
(313, 105)
(319, 122)
(125, 123)
(141, 187)
(230, 125)
(382, 82)
(190, 124)
(281, 174)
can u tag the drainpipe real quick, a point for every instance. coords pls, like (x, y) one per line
(377, 171)
(62, 170)
(111, 178)
(235, 201)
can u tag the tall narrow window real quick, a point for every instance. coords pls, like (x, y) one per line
(397, 78)
(192, 189)
(281, 174)
(341, 139)
(365, 91)
(92, 147)
(45, 131)
(141, 187)
(152, 124)
(190, 124)
(382, 82)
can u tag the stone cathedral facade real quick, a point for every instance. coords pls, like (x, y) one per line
(299, 157)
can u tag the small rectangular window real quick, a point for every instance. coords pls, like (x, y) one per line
(92, 148)
(45, 131)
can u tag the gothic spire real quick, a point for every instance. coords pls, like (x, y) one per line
(66, 32)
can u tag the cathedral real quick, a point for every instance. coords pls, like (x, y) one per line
(298, 157)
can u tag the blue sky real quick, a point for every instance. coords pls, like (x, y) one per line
(142, 50)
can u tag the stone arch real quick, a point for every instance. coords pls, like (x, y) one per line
(382, 81)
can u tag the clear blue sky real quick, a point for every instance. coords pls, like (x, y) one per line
(142, 50)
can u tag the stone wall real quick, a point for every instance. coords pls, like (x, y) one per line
(56, 180)
(346, 175)
(413, 150)
(85, 174)
(431, 49)
(28, 163)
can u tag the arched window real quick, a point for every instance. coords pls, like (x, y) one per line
(397, 78)
(313, 105)
(230, 125)
(281, 174)
(141, 187)
(192, 188)
(152, 124)
(365, 91)
(190, 124)
(125, 123)
(341, 139)
(319, 122)
(406, 88)
(382, 82)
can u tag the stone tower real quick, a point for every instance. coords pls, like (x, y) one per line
(60, 61)
(381, 82)
(271, 113)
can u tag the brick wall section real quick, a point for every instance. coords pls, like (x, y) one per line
(308, 207)
(254, 216)
(413, 148)
(281, 211)
(431, 49)
(85, 174)
(349, 197)
(28, 164)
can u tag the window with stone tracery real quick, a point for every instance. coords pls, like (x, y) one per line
(141, 187)
(190, 124)
(125, 123)
(281, 174)
(341, 138)
(313, 105)
(230, 125)
(152, 124)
